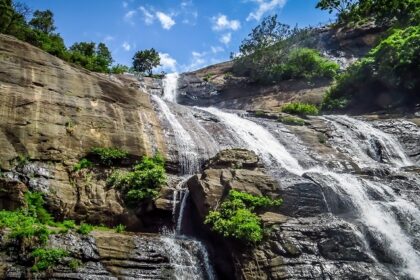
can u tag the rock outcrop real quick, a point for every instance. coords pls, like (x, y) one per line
(304, 240)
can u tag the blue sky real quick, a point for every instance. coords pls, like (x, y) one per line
(188, 34)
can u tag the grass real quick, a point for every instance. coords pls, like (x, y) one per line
(301, 109)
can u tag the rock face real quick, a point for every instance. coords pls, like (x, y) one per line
(106, 256)
(52, 114)
(214, 86)
(304, 240)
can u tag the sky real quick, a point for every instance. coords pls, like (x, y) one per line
(188, 34)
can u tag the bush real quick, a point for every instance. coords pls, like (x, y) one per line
(302, 109)
(108, 156)
(85, 229)
(35, 207)
(82, 164)
(386, 77)
(307, 64)
(143, 182)
(236, 217)
(47, 258)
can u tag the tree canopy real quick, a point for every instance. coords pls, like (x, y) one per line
(144, 61)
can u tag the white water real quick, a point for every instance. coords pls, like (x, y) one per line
(187, 149)
(259, 140)
(380, 220)
(361, 138)
(170, 87)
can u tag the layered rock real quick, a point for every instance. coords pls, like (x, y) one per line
(304, 240)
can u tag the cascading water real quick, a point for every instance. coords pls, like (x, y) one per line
(170, 87)
(377, 217)
(368, 143)
(259, 140)
(187, 149)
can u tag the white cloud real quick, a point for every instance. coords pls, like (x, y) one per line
(166, 20)
(148, 16)
(265, 6)
(125, 4)
(126, 46)
(216, 49)
(226, 38)
(167, 63)
(128, 17)
(109, 38)
(221, 22)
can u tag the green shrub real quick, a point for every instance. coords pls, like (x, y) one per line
(307, 64)
(74, 264)
(302, 109)
(208, 76)
(108, 156)
(120, 228)
(290, 120)
(82, 164)
(47, 258)
(386, 77)
(84, 229)
(35, 207)
(236, 217)
(143, 182)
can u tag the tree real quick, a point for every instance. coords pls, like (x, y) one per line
(119, 69)
(268, 32)
(339, 6)
(6, 14)
(43, 21)
(146, 60)
(103, 57)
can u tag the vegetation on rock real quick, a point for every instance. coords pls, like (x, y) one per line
(269, 55)
(236, 216)
(388, 75)
(108, 156)
(82, 164)
(45, 259)
(301, 109)
(290, 120)
(143, 182)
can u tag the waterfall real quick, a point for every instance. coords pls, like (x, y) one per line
(378, 217)
(259, 140)
(184, 199)
(368, 143)
(187, 149)
(170, 87)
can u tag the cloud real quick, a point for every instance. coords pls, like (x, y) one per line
(166, 20)
(125, 4)
(109, 38)
(128, 17)
(221, 22)
(148, 16)
(265, 6)
(216, 49)
(126, 46)
(167, 63)
(226, 38)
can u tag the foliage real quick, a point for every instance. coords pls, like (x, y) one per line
(82, 164)
(108, 156)
(302, 109)
(388, 75)
(119, 69)
(39, 31)
(74, 264)
(47, 258)
(84, 229)
(120, 228)
(290, 120)
(93, 57)
(35, 207)
(402, 12)
(22, 159)
(208, 76)
(236, 216)
(43, 21)
(143, 182)
(145, 60)
(305, 63)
